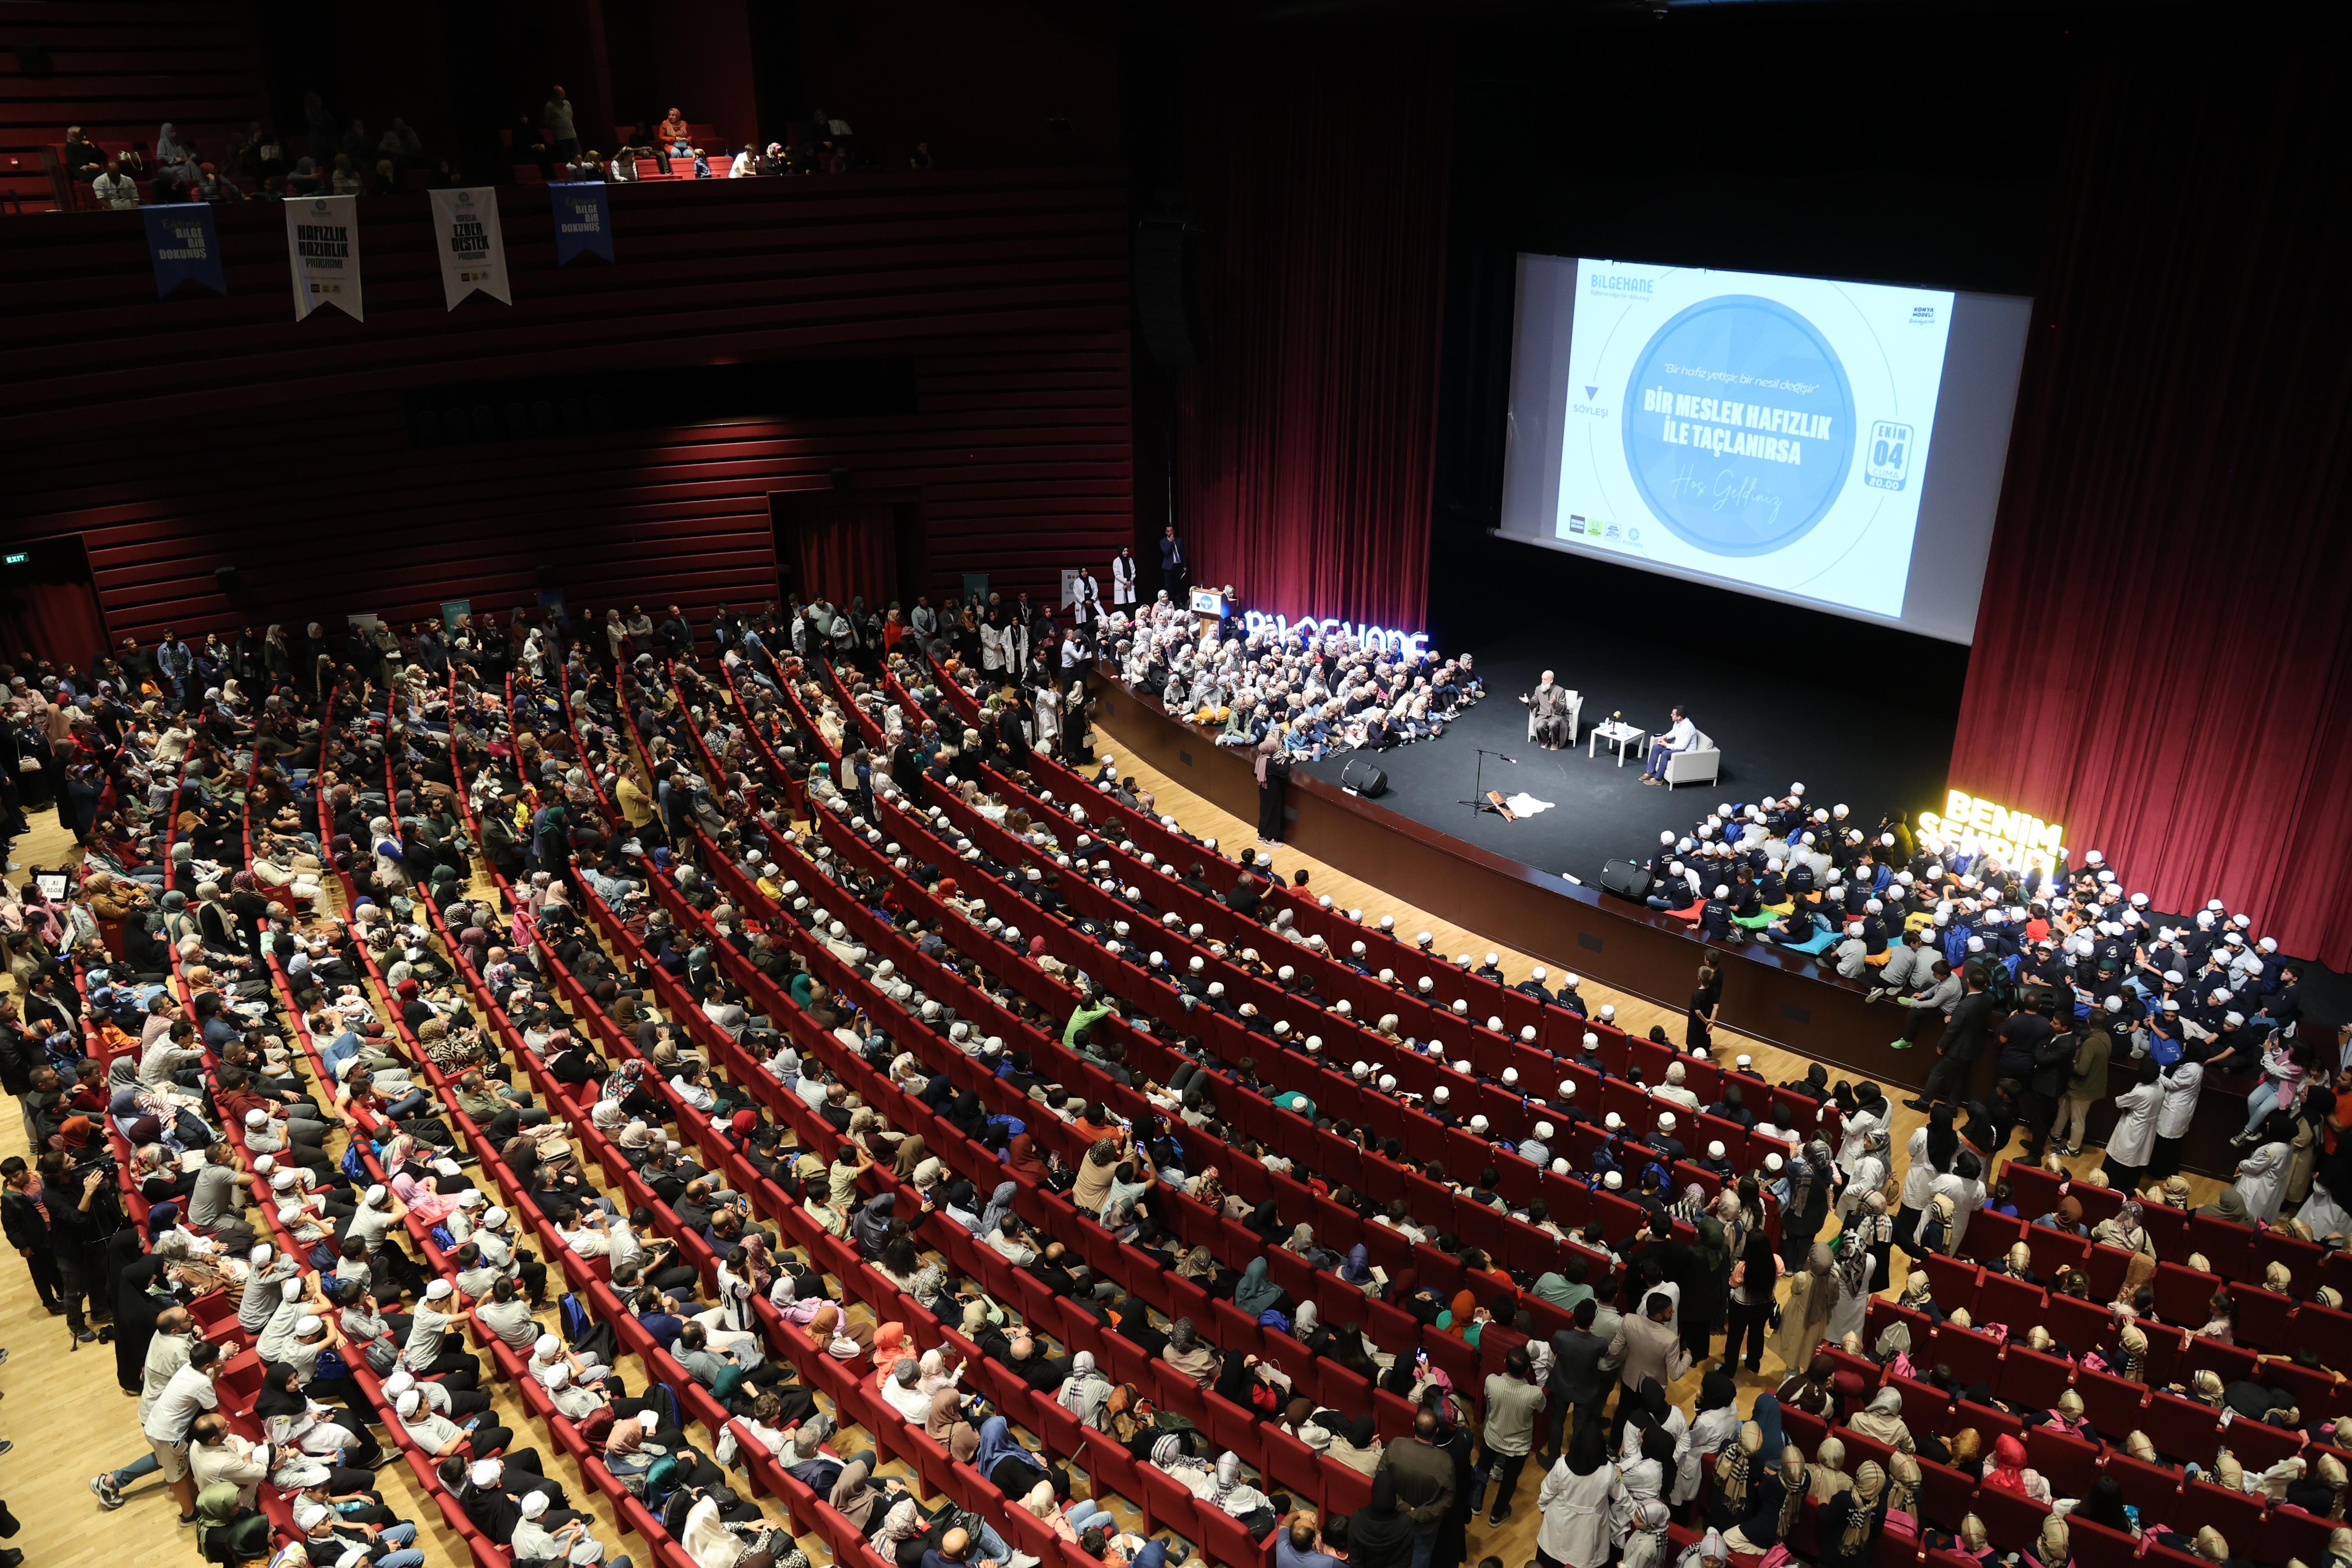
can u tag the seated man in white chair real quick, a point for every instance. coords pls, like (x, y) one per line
(1681, 736)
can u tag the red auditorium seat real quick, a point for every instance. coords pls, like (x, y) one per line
(2237, 1516)
(2168, 1230)
(2070, 1463)
(1973, 1357)
(2287, 1535)
(2078, 1324)
(2002, 1300)
(2184, 1295)
(2035, 1190)
(2226, 1246)
(2180, 1429)
(1989, 1237)
(2321, 1330)
(2151, 1489)
(1955, 1281)
(2031, 1380)
(2096, 1546)
(2010, 1515)
(2114, 1405)
(1945, 1494)
(2055, 1251)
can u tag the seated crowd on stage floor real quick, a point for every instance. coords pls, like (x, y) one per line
(1910, 916)
(841, 1107)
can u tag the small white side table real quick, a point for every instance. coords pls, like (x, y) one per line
(1620, 737)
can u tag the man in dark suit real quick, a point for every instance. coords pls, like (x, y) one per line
(1963, 1042)
(1175, 565)
(1579, 1380)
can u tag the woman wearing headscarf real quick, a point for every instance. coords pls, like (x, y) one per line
(1752, 1290)
(1085, 1392)
(1707, 1292)
(945, 1425)
(2007, 1470)
(1023, 1159)
(1255, 1294)
(1000, 1205)
(1358, 1447)
(871, 1227)
(1358, 1270)
(1640, 1481)
(1882, 1420)
(1779, 1501)
(2262, 1175)
(1230, 1490)
(1187, 1353)
(1805, 1315)
(1010, 1468)
(1706, 1551)
(1380, 1535)
(1850, 1520)
(1828, 1473)
(1854, 1265)
(2124, 1229)
(1809, 1390)
(1739, 1467)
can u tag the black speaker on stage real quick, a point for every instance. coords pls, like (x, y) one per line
(1625, 879)
(231, 583)
(1364, 779)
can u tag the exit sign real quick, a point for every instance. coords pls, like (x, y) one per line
(18, 558)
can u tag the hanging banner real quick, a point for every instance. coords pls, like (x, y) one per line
(473, 253)
(322, 248)
(583, 222)
(185, 246)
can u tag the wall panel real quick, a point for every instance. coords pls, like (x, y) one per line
(183, 434)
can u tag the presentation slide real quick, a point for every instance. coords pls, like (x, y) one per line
(1831, 443)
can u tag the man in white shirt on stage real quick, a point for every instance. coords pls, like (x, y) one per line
(1681, 736)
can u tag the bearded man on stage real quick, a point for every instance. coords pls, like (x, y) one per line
(1551, 713)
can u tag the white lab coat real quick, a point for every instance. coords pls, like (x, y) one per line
(2133, 1138)
(1122, 580)
(2181, 1087)
(1919, 1176)
(1858, 1128)
(2261, 1182)
(1575, 1528)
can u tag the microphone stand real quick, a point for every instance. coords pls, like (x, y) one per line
(1479, 802)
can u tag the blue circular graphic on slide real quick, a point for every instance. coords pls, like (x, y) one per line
(1739, 426)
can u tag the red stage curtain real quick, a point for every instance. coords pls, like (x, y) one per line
(58, 622)
(1306, 438)
(848, 551)
(2163, 658)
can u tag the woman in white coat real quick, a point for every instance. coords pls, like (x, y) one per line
(2133, 1139)
(2262, 1175)
(1575, 1497)
(2182, 1082)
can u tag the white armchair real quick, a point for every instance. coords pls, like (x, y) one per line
(1699, 764)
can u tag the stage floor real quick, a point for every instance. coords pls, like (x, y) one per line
(1876, 747)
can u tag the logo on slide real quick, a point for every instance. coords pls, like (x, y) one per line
(1739, 426)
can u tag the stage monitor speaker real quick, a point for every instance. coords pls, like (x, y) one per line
(1364, 779)
(231, 583)
(1625, 879)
